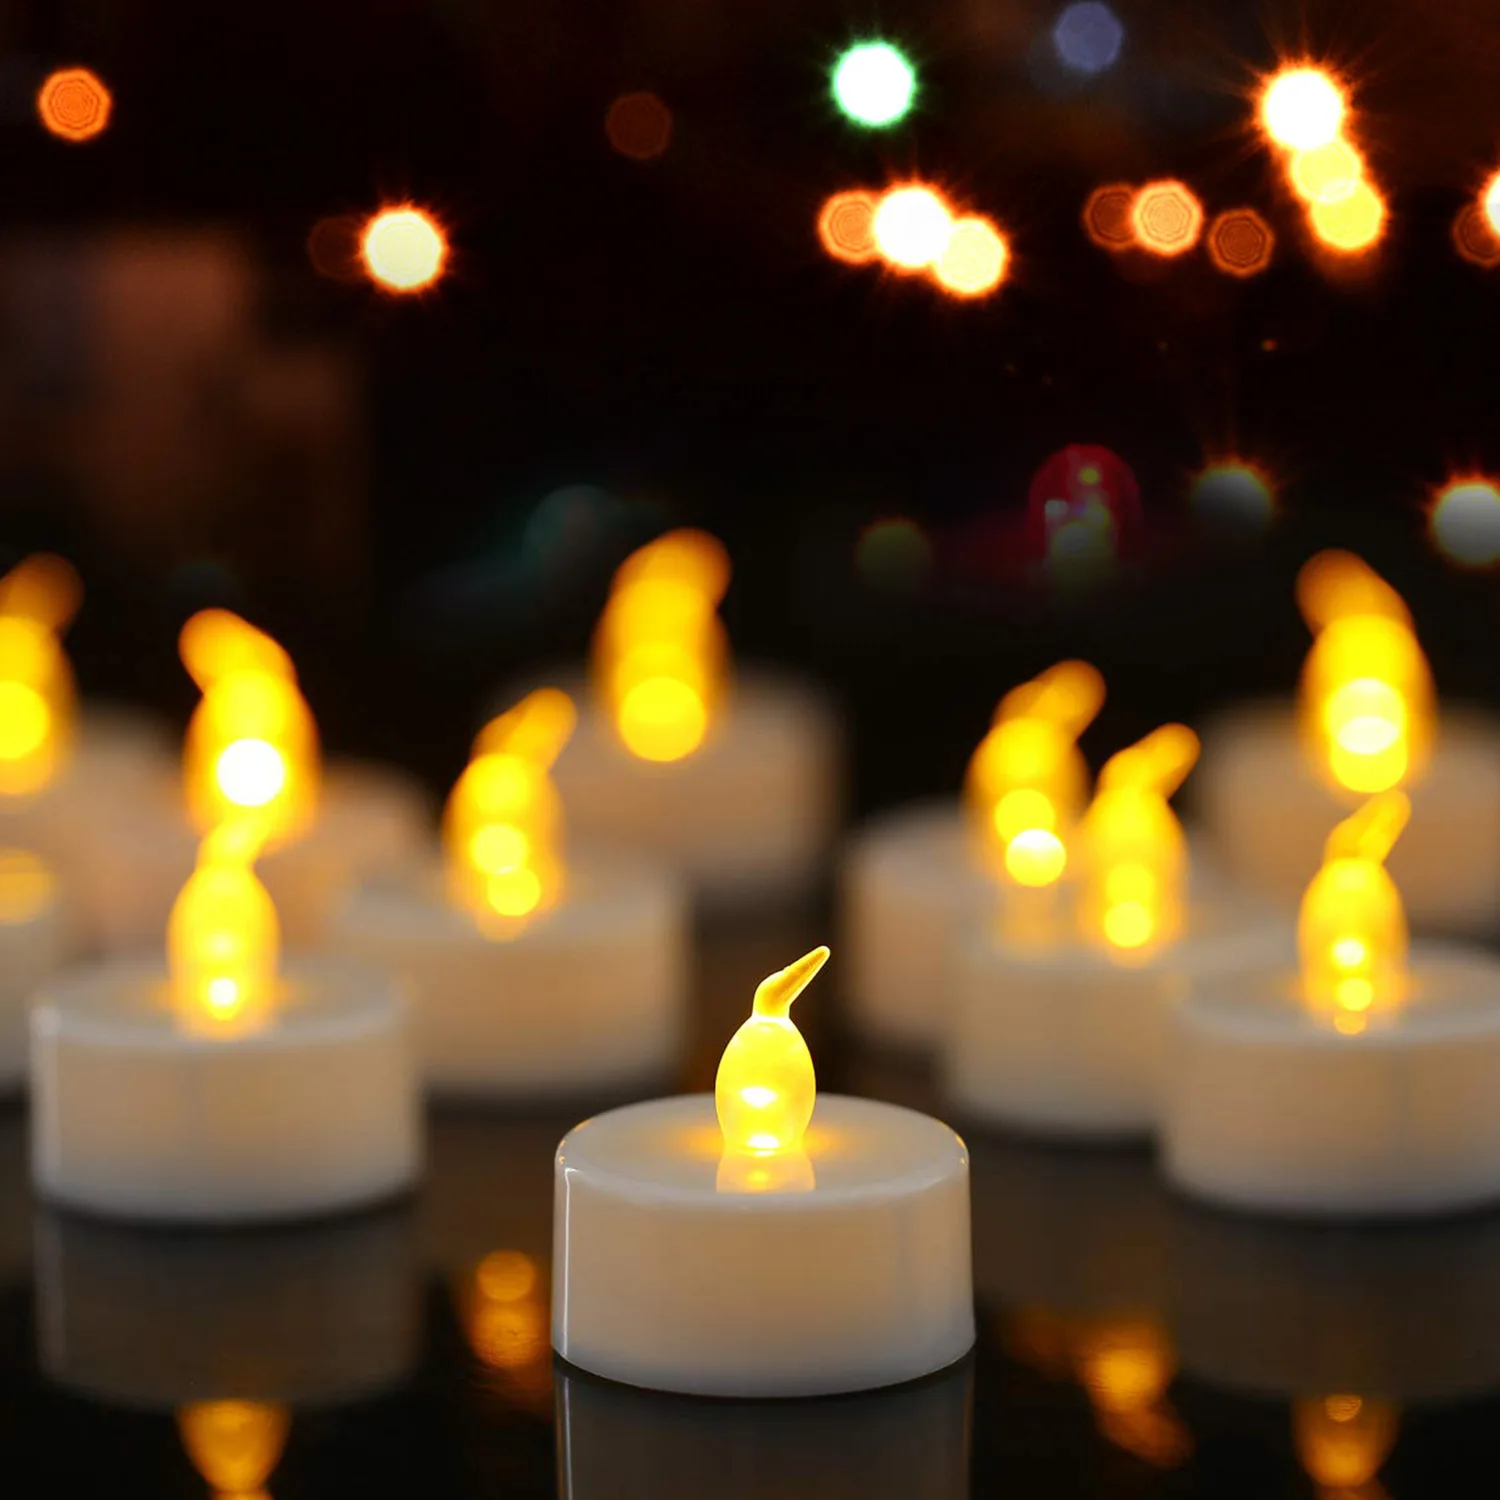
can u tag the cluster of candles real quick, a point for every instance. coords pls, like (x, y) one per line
(1080, 966)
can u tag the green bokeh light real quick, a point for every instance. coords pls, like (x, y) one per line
(874, 84)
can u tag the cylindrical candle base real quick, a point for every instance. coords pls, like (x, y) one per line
(855, 1275)
(1071, 1042)
(1272, 1110)
(590, 995)
(749, 815)
(133, 1117)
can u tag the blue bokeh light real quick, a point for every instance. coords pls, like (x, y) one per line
(1088, 36)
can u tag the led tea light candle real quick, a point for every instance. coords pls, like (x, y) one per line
(222, 1090)
(531, 973)
(734, 785)
(1368, 1084)
(773, 1253)
(1061, 1006)
(1271, 788)
(251, 750)
(913, 881)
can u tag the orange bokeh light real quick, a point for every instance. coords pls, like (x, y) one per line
(974, 261)
(846, 227)
(1106, 216)
(1351, 224)
(333, 247)
(1326, 173)
(1240, 242)
(1166, 217)
(1474, 237)
(912, 226)
(404, 249)
(1302, 108)
(74, 104)
(1489, 201)
(638, 126)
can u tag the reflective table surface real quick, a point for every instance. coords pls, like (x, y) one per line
(1129, 1344)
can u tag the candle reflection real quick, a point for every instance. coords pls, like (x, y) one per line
(234, 1445)
(1342, 1440)
(504, 1303)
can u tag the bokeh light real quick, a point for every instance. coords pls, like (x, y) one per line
(74, 104)
(404, 249)
(912, 226)
(894, 555)
(1087, 37)
(874, 84)
(1490, 202)
(1240, 242)
(1302, 108)
(1474, 237)
(1106, 216)
(1326, 173)
(1464, 522)
(846, 226)
(638, 126)
(974, 260)
(1167, 218)
(1351, 224)
(1233, 499)
(333, 247)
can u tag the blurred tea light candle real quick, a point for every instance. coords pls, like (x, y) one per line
(1367, 1084)
(1271, 787)
(733, 784)
(531, 972)
(1061, 1003)
(221, 1090)
(912, 880)
(251, 748)
(746, 1244)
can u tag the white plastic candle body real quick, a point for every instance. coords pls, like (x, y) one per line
(317, 1313)
(661, 1280)
(134, 1117)
(33, 945)
(591, 994)
(129, 866)
(909, 886)
(1268, 813)
(1270, 1109)
(747, 816)
(1072, 1042)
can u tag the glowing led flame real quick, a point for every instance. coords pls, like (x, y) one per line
(404, 249)
(766, 1088)
(74, 105)
(1027, 781)
(913, 224)
(974, 261)
(1351, 224)
(1343, 1440)
(1326, 173)
(1368, 705)
(846, 227)
(234, 1445)
(224, 938)
(503, 825)
(1351, 930)
(1302, 108)
(1135, 859)
(38, 598)
(661, 657)
(1166, 218)
(251, 744)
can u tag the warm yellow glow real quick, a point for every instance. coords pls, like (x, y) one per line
(1134, 852)
(1302, 108)
(74, 104)
(661, 657)
(974, 260)
(1489, 202)
(766, 1088)
(234, 1445)
(503, 825)
(1368, 706)
(1326, 173)
(1350, 224)
(1166, 218)
(1343, 1440)
(1126, 1366)
(27, 887)
(1027, 782)
(251, 743)
(404, 249)
(1351, 930)
(224, 938)
(912, 227)
(846, 226)
(38, 598)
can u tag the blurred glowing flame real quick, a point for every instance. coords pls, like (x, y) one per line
(912, 227)
(1302, 108)
(74, 104)
(1106, 216)
(1326, 173)
(1343, 1440)
(638, 126)
(1240, 242)
(502, 827)
(846, 227)
(1351, 224)
(973, 262)
(1166, 218)
(38, 598)
(404, 249)
(234, 1445)
(1464, 521)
